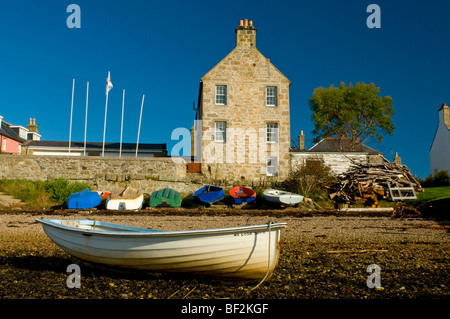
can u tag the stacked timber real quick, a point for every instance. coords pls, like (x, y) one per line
(368, 183)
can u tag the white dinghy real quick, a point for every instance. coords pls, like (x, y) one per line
(125, 199)
(246, 253)
(282, 197)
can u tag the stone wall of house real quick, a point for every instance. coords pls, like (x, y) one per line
(338, 162)
(246, 73)
(103, 173)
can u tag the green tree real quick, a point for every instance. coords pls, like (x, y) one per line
(354, 113)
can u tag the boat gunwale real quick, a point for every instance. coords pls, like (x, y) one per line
(252, 192)
(132, 231)
(124, 198)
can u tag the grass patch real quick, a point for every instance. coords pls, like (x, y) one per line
(41, 193)
(433, 193)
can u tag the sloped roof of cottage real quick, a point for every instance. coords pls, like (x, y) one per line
(332, 144)
(6, 130)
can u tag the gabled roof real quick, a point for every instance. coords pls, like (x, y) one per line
(331, 144)
(255, 55)
(6, 130)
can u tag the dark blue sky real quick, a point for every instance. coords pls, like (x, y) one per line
(163, 48)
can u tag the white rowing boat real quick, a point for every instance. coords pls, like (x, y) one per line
(237, 253)
(125, 199)
(282, 197)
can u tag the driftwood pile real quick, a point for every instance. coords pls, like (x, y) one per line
(368, 183)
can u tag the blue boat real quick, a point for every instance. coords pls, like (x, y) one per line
(209, 194)
(83, 200)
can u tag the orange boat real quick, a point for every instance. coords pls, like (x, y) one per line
(242, 194)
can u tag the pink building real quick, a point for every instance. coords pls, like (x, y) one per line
(12, 137)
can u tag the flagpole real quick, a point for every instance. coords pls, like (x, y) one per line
(121, 124)
(108, 84)
(71, 111)
(85, 118)
(139, 128)
(104, 125)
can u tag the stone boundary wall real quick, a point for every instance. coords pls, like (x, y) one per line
(103, 173)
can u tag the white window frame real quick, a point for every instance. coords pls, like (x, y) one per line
(4, 144)
(220, 132)
(272, 166)
(221, 95)
(272, 133)
(271, 96)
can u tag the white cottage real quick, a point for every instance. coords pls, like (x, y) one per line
(337, 155)
(440, 148)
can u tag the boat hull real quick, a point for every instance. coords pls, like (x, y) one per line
(241, 195)
(125, 199)
(124, 203)
(165, 197)
(209, 194)
(83, 200)
(247, 253)
(282, 197)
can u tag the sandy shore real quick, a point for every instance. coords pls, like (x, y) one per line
(309, 228)
(321, 257)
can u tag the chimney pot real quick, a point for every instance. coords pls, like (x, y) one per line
(34, 121)
(250, 23)
(245, 34)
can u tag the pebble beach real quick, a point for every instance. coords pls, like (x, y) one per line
(323, 256)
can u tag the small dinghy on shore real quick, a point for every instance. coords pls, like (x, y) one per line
(209, 194)
(126, 199)
(165, 197)
(245, 253)
(242, 194)
(282, 197)
(83, 200)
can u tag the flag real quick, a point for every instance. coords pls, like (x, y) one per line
(109, 84)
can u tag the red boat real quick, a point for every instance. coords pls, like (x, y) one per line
(242, 194)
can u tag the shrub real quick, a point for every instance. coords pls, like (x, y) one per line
(310, 178)
(60, 189)
(436, 179)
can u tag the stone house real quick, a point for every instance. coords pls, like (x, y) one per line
(242, 127)
(440, 147)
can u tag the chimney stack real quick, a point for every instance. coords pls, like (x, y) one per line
(246, 34)
(397, 159)
(301, 141)
(444, 115)
(32, 127)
